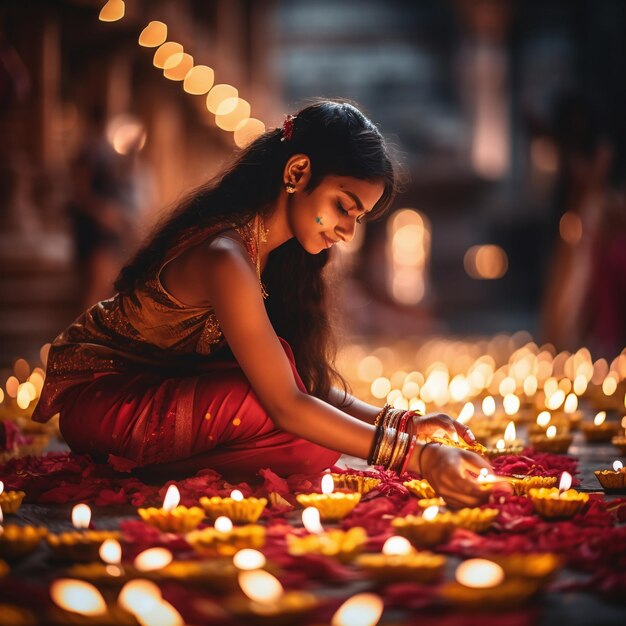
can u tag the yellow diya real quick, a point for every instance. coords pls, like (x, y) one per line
(521, 485)
(352, 482)
(79, 546)
(599, 430)
(332, 506)
(400, 562)
(172, 517)
(226, 541)
(10, 501)
(539, 566)
(237, 508)
(19, 541)
(561, 503)
(474, 519)
(420, 488)
(552, 441)
(339, 544)
(461, 443)
(425, 531)
(612, 479)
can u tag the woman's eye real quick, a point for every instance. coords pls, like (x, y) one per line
(341, 209)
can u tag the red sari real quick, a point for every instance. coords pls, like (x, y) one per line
(144, 377)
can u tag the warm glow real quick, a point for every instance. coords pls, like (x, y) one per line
(199, 80)
(21, 369)
(467, 412)
(609, 386)
(530, 385)
(260, 586)
(328, 484)
(489, 405)
(417, 405)
(230, 120)
(111, 551)
(311, 520)
(248, 131)
(566, 481)
(571, 403)
(164, 614)
(380, 387)
(543, 419)
(172, 498)
(479, 573)
(223, 524)
(112, 11)
(77, 596)
(369, 368)
(126, 133)
(484, 476)
(617, 465)
(139, 596)
(249, 559)
(12, 385)
(1, 395)
(81, 516)
(459, 388)
(397, 546)
(599, 418)
(23, 397)
(153, 559)
(430, 513)
(511, 404)
(364, 609)
(164, 52)
(153, 35)
(236, 495)
(1, 487)
(580, 384)
(551, 432)
(500, 444)
(555, 400)
(177, 66)
(486, 262)
(507, 386)
(218, 94)
(571, 228)
(509, 432)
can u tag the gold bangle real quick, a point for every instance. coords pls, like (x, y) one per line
(381, 414)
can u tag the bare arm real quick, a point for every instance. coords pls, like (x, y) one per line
(353, 406)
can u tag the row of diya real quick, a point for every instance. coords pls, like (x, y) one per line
(499, 581)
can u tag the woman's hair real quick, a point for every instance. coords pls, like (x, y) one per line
(339, 140)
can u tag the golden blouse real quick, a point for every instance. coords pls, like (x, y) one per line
(145, 330)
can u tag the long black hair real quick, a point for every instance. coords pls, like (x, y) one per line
(339, 140)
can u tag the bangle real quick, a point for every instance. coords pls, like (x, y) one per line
(381, 414)
(405, 462)
(421, 452)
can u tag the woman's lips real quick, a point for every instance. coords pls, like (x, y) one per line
(327, 241)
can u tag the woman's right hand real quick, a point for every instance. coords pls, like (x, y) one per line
(449, 471)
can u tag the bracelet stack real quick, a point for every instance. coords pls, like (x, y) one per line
(394, 440)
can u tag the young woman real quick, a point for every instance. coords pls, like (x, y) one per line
(217, 349)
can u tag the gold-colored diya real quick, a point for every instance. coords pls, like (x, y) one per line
(521, 485)
(19, 541)
(420, 488)
(352, 482)
(10, 501)
(552, 504)
(246, 511)
(421, 567)
(79, 546)
(213, 542)
(180, 519)
(332, 506)
(339, 544)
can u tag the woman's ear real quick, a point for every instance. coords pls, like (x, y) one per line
(298, 170)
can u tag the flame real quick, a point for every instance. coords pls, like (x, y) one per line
(328, 484)
(509, 432)
(500, 444)
(543, 419)
(551, 432)
(1, 487)
(172, 498)
(77, 596)
(489, 405)
(609, 386)
(164, 614)
(112, 11)
(599, 418)
(81, 516)
(530, 385)
(571, 403)
(364, 609)
(479, 573)
(236, 495)
(111, 551)
(580, 384)
(23, 396)
(153, 559)
(430, 513)
(511, 404)
(223, 524)
(397, 546)
(554, 401)
(566, 482)
(249, 559)
(260, 586)
(311, 520)
(617, 465)
(467, 412)
(139, 596)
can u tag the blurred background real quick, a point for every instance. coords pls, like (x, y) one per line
(508, 117)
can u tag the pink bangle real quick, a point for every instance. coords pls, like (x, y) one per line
(408, 455)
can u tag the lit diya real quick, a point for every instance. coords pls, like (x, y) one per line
(600, 429)
(224, 539)
(10, 501)
(561, 503)
(266, 602)
(509, 444)
(612, 480)
(538, 566)
(427, 530)
(80, 545)
(17, 542)
(522, 484)
(482, 584)
(237, 508)
(172, 517)
(552, 441)
(420, 488)
(332, 506)
(400, 562)
(619, 441)
(352, 482)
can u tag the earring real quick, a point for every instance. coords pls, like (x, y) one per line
(290, 188)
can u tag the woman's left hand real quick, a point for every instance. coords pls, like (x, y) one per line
(440, 424)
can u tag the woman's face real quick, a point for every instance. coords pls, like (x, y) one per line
(328, 214)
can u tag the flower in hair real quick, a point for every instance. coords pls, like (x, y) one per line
(288, 128)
